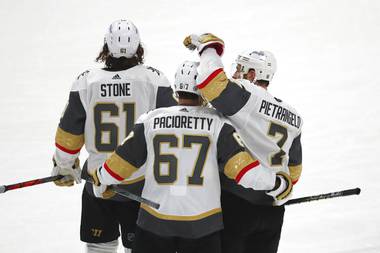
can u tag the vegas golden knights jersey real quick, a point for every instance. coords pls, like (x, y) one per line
(270, 128)
(102, 109)
(183, 148)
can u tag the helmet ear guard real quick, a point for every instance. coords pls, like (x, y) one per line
(122, 38)
(263, 62)
(185, 78)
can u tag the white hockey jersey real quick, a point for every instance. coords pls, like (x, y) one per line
(102, 109)
(183, 147)
(270, 128)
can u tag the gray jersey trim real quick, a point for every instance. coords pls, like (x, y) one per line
(165, 97)
(74, 118)
(295, 152)
(232, 99)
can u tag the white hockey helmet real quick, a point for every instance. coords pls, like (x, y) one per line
(263, 62)
(185, 77)
(122, 39)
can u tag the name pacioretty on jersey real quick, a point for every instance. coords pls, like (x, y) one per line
(177, 121)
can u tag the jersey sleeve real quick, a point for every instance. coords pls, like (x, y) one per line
(69, 137)
(239, 165)
(126, 159)
(164, 95)
(295, 159)
(226, 96)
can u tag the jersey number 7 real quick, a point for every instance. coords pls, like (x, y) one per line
(274, 129)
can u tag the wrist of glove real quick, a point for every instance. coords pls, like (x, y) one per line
(71, 173)
(101, 190)
(282, 191)
(204, 41)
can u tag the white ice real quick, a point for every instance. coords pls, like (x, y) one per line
(328, 55)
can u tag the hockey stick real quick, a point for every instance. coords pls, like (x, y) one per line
(354, 191)
(135, 197)
(119, 191)
(4, 188)
(129, 195)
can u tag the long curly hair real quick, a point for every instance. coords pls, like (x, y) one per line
(121, 63)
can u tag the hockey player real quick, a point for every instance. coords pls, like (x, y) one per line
(271, 130)
(183, 146)
(101, 112)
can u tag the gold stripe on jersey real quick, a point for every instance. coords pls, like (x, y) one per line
(207, 37)
(120, 167)
(295, 172)
(288, 190)
(237, 163)
(69, 141)
(215, 86)
(179, 217)
(132, 181)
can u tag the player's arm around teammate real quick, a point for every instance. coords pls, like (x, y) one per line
(232, 98)
(271, 130)
(195, 216)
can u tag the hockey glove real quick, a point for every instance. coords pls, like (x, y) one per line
(100, 190)
(201, 42)
(70, 174)
(282, 191)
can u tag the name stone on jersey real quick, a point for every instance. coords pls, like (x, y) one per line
(115, 90)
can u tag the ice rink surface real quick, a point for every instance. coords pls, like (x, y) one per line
(328, 57)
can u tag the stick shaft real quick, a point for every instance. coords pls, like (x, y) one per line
(135, 197)
(354, 191)
(122, 192)
(30, 183)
